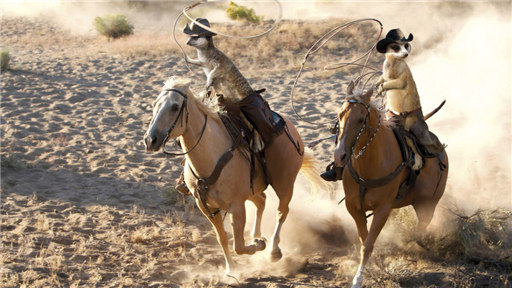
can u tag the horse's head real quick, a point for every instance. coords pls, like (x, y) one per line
(169, 114)
(352, 121)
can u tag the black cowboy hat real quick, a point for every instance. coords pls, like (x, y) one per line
(393, 36)
(196, 30)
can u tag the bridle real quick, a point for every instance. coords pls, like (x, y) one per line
(184, 107)
(367, 117)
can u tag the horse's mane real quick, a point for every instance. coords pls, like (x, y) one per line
(206, 105)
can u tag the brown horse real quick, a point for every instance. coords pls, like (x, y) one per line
(177, 113)
(374, 171)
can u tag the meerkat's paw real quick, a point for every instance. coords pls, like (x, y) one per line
(418, 162)
(257, 142)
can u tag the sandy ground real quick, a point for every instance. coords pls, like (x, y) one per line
(84, 205)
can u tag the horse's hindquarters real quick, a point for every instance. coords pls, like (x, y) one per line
(283, 160)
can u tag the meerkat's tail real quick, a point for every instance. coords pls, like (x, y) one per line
(434, 111)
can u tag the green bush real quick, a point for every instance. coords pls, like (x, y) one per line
(241, 13)
(5, 58)
(113, 26)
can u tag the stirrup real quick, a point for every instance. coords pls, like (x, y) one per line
(332, 173)
(183, 189)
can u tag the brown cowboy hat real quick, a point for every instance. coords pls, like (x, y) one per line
(393, 36)
(196, 30)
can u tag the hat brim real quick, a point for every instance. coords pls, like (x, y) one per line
(187, 30)
(382, 45)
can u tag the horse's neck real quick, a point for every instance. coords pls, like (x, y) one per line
(382, 152)
(213, 143)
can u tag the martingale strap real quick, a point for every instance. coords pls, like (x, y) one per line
(203, 184)
(364, 184)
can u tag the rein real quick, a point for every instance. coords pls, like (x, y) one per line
(360, 153)
(365, 184)
(180, 116)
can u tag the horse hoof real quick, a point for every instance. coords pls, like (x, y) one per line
(276, 255)
(260, 244)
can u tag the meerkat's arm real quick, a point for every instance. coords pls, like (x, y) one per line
(379, 85)
(398, 83)
(213, 75)
(193, 61)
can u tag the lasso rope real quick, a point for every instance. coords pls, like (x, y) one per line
(321, 42)
(188, 8)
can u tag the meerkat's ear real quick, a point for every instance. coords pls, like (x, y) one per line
(350, 88)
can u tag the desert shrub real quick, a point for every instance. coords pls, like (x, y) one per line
(113, 26)
(5, 58)
(241, 13)
(485, 236)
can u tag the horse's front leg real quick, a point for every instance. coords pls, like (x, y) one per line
(360, 218)
(222, 237)
(259, 202)
(380, 217)
(238, 224)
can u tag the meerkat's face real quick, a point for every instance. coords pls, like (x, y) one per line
(398, 50)
(198, 42)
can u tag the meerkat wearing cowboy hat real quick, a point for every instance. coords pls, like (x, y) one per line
(403, 100)
(224, 77)
(221, 73)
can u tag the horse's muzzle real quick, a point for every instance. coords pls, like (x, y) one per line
(151, 143)
(340, 156)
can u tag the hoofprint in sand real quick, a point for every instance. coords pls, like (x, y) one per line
(84, 205)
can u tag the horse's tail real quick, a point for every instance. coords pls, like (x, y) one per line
(311, 170)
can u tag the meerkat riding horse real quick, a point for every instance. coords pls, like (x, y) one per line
(403, 100)
(377, 175)
(246, 110)
(217, 170)
(229, 83)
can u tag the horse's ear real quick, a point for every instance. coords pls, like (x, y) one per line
(350, 88)
(367, 96)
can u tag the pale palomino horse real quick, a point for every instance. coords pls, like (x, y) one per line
(177, 113)
(369, 151)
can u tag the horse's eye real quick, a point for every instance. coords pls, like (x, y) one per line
(174, 107)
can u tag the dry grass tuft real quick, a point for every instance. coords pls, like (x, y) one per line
(241, 13)
(5, 58)
(113, 26)
(485, 236)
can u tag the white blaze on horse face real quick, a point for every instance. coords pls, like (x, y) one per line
(165, 111)
(340, 152)
(351, 121)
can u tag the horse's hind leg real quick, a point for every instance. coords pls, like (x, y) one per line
(285, 197)
(238, 224)
(429, 193)
(259, 202)
(425, 212)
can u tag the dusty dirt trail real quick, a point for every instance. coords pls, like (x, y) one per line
(84, 205)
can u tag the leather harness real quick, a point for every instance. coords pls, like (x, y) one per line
(365, 184)
(407, 162)
(203, 184)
